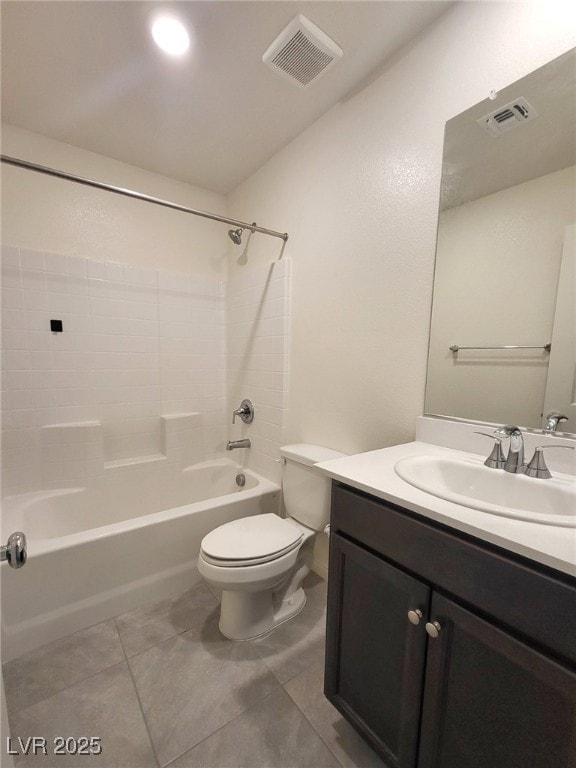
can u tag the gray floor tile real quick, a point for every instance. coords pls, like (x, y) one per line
(271, 734)
(105, 705)
(144, 627)
(293, 646)
(351, 750)
(192, 684)
(55, 666)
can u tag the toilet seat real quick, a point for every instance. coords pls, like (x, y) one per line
(250, 541)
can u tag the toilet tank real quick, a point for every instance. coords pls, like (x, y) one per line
(305, 489)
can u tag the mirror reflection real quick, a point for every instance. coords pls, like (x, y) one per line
(503, 328)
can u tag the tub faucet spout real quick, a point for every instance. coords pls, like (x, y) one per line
(232, 444)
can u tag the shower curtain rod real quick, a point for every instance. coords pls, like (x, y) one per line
(138, 195)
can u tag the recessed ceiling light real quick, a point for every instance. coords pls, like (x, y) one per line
(170, 35)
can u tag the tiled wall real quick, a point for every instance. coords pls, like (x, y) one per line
(193, 351)
(258, 333)
(136, 343)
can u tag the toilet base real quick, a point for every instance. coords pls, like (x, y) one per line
(247, 615)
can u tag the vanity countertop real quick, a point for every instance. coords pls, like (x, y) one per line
(373, 472)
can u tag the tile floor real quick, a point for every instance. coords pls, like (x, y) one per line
(160, 686)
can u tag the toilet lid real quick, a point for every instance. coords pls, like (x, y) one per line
(251, 540)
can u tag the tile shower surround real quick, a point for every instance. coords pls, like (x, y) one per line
(137, 343)
(258, 335)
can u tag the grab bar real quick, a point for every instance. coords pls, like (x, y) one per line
(547, 347)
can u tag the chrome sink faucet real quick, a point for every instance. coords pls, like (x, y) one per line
(515, 458)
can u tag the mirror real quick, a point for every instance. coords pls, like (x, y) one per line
(503, 325)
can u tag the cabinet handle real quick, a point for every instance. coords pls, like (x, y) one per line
(414, 616)
(433, 628)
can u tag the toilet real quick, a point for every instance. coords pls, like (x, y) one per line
(259, 562)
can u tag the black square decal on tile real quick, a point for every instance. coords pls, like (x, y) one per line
(56, 326)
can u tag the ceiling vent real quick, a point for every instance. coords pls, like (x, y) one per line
(507, 117)
(302, 52)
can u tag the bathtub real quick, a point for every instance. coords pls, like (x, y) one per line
(130, 538)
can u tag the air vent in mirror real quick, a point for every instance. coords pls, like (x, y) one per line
(508, 117)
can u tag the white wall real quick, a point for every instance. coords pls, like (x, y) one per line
(46, 214)
(511, 238)
(358, 194)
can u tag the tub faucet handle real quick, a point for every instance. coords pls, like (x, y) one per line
(245, 411)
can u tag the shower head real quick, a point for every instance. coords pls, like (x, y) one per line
(235, 235)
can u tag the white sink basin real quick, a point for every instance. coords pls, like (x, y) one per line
(469, 483)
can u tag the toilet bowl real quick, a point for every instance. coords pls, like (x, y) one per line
(259, 562)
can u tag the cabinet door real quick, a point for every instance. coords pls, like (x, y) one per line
(374, 654)
(492, 702)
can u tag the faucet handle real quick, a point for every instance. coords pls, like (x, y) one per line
(509, 430)
(245, 411)
(496, 460)
(537, 466)
(492, 435)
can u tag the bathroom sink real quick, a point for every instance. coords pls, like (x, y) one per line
(471, 484)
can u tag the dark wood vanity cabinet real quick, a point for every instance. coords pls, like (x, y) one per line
(496, 686)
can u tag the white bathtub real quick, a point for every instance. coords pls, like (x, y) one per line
(96, 552)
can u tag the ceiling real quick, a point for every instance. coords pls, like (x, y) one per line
(88, 74)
